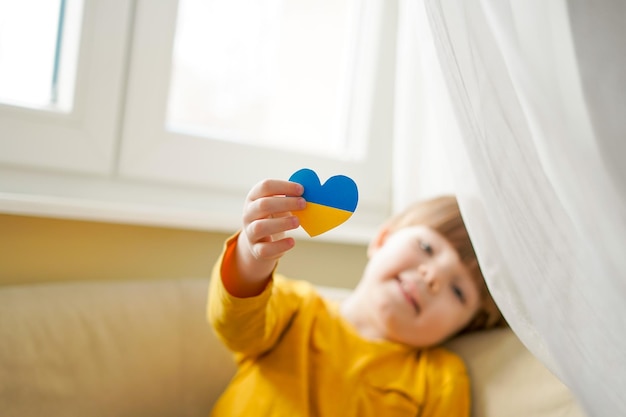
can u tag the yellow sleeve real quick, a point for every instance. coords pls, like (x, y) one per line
(448, 392)
(248, 326)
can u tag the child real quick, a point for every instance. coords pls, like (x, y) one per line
(375, 354)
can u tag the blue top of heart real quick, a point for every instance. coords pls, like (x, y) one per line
(339, 191)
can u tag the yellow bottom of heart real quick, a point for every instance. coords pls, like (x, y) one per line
(316, 219)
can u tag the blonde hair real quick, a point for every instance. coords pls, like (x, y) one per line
(443, 215)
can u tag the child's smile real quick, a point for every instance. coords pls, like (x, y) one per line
(409, 295)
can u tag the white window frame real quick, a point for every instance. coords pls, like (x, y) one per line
(84, 139)
(148, 175)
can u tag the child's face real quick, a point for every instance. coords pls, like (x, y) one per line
(417, 290)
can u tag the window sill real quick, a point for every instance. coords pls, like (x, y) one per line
(117, 201)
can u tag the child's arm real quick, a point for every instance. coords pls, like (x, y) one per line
(266, 216)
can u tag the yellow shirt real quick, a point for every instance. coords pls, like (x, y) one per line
(298, 357)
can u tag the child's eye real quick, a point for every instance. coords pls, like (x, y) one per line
(426, 247)
(458, 293)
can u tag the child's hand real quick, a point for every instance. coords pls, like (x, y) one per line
(266, 216)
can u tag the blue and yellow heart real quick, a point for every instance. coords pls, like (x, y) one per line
(328, 205)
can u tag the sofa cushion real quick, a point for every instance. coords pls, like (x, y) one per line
(507, 380)
(144, 348)
(94, 349)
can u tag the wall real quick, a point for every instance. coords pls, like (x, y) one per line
(34, 249)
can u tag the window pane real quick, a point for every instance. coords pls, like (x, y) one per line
(38, 44)
(267, 72)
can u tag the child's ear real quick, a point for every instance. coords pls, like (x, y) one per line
(378, 241)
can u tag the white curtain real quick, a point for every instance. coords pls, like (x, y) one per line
(532, 117)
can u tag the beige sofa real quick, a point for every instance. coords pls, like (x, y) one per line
(143, 348)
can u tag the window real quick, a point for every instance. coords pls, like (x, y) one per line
(173, 124)
(38, 52)
(268, 73)
(73, 55)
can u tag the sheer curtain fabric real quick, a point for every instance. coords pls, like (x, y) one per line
(530, 104)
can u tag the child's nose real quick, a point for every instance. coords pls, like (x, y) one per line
(430, 277)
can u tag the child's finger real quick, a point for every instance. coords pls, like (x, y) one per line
(271, 206)
(272, 187)
(272, 250)
(263, 229)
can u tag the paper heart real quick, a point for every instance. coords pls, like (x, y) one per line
(328, 205)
